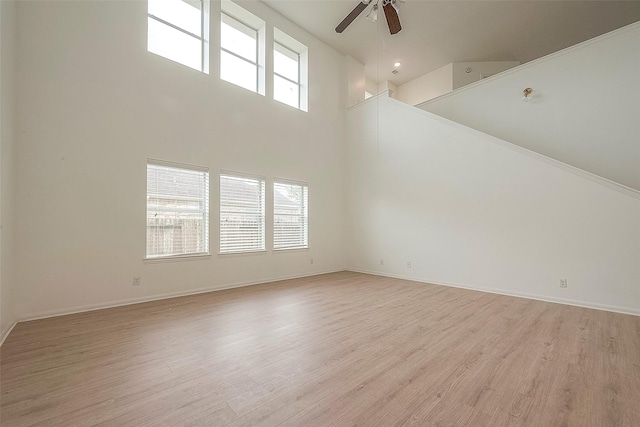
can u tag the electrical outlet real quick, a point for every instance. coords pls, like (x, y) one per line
(408, 264)
(136, 281)
(563, 283)
(381, 262)
(311, 261)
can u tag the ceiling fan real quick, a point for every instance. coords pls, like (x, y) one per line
(390, 8)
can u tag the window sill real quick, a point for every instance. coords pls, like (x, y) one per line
(275, 251)
(231, 254)
(176, 258)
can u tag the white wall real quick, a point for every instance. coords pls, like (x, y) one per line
(94, 105)
(467, 209)
(427, 86)
(388, 87)
(584, 112)
(450, 77)
(7, 142)
(370, 86)
(478, 71)
(355, 81)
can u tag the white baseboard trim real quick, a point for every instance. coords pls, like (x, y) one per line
(576, 303)
(6, 333)
(130, 301)
(140, 300)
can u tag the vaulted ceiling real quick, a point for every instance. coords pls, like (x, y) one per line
(436, 33)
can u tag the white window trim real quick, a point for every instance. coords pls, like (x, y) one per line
(177, 258)
(195, 255)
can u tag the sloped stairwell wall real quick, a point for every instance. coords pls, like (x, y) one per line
(467, 209)
(584, 110)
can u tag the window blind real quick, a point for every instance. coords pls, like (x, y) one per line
(177, 210)
(290, 216)
(242, 214)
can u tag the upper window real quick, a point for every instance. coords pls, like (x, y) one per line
(286, 75)
(177, 210)
(240, 48)
(290, 216)
(242, 214)
(289, 70)
(178, 30)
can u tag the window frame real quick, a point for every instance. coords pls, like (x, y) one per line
(203, 38)
(243, 19)
(206, 211)
(305, 216)
(275, 73)
(263, 208)
(302, 51)
(242, 28)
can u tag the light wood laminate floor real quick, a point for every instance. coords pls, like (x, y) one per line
(340, 349)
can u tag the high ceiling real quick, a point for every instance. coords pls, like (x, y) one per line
(436, 33)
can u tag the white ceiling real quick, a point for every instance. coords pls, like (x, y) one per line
(436, 33)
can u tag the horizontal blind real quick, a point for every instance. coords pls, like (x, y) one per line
(177, 211)
(290, 216)
(242, 214)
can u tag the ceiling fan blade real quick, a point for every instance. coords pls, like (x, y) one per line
(393, 20)
(351, 16)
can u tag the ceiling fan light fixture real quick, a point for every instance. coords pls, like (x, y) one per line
(390, 14)
(373, 13)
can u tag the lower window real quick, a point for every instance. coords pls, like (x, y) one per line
(242, 214)
(290, 215)
(177, 210)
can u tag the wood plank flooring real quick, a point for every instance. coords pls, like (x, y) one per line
(341, 349)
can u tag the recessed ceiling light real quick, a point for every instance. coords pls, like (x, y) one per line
(397, 64)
